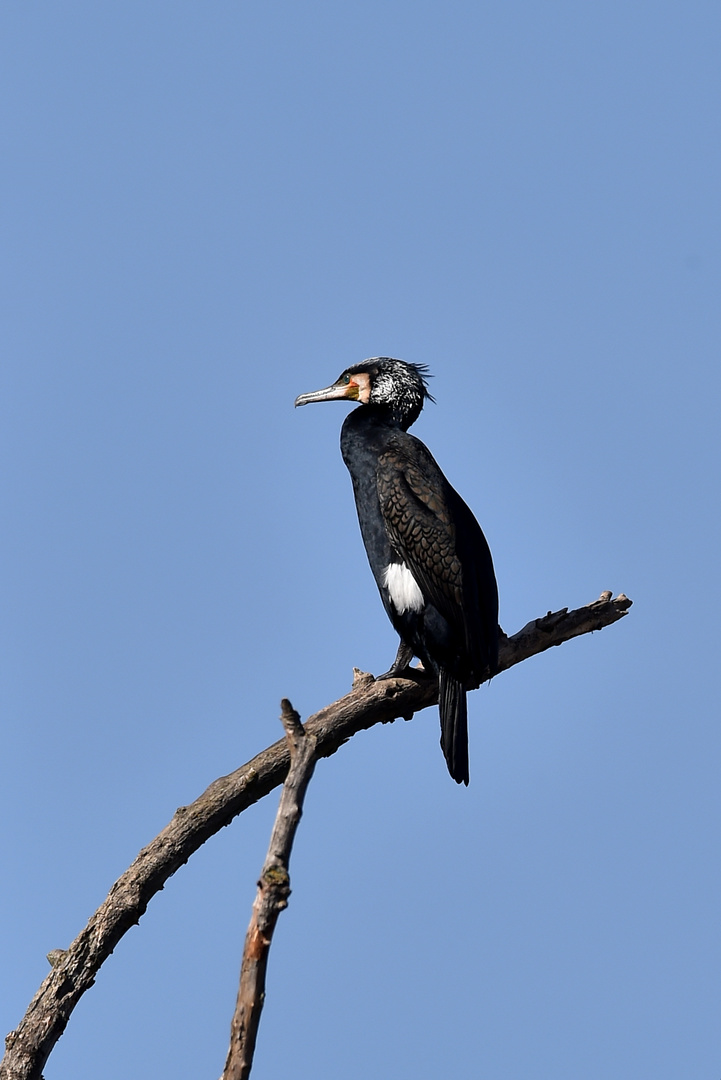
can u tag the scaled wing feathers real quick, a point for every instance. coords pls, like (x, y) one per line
(411, 491)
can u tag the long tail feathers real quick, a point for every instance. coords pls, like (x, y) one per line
(454, 725)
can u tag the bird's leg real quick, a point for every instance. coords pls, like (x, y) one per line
(401, 663)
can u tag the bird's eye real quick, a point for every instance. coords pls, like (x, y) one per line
(344, 380)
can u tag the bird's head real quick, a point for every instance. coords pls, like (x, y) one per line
(392, 386)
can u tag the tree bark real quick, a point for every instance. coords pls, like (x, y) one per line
(271, 898)
(368, 703)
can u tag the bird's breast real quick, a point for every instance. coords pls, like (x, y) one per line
(403, 589)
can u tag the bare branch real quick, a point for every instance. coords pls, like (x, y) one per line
(271, 898)
(368, 703)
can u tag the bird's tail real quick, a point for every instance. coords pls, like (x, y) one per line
(454, 725)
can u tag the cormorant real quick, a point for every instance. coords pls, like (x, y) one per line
(427, 552)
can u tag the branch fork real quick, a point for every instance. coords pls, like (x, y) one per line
(369, 702)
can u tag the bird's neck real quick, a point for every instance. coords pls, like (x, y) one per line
(366, 432)
(387, 417)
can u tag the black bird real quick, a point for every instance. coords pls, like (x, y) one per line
(427, 552)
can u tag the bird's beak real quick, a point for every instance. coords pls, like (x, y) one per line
(336, 392)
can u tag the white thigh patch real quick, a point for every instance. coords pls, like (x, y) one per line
(403, 587)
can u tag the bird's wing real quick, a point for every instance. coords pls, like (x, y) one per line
(413, 498)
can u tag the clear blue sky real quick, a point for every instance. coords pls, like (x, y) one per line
(207, 209)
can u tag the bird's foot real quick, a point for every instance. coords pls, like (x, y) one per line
(401, 664)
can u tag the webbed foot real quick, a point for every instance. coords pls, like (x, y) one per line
(401, 663)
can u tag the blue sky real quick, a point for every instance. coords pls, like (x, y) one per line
(208, 209)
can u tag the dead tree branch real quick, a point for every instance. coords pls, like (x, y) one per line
(368, 703)
(271, 898)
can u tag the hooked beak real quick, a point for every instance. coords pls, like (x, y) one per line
(336, 392)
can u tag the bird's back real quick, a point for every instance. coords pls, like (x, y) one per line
(409, 513)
